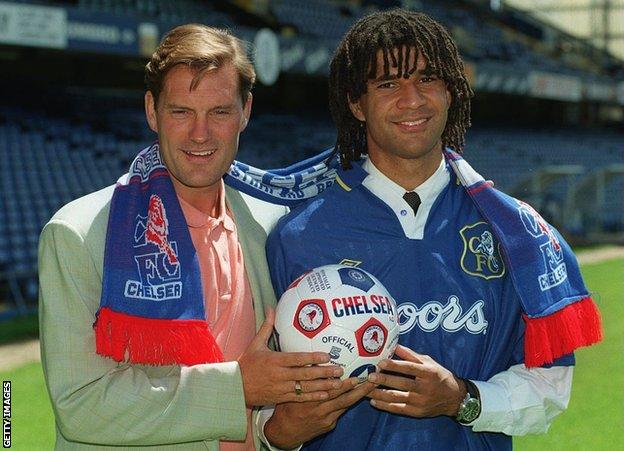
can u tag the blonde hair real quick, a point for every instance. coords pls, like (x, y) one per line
(203, 49)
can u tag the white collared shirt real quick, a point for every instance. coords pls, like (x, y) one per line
(392, 194)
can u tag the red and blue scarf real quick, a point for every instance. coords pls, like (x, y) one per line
(152, 307)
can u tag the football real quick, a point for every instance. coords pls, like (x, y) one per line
(341, 310)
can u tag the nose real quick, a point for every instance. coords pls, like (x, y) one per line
(411, 96)
(200, 130)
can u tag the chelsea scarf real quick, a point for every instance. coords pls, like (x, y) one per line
(152, 308)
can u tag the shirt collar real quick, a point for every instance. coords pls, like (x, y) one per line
(383, 187)
(197, 218)
(390, 193)
(353, 177)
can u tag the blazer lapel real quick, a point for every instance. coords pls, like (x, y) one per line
(252, 238)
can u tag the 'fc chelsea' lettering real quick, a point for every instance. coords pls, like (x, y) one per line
(555, 268)
(135, 289)
(158, 266)
(450, 317)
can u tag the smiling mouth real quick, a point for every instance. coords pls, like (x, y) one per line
(413, 123)
(203, 153)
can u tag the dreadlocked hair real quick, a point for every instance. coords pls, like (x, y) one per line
(355, 62)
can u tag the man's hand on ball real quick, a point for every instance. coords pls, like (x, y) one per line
(295, 423)
(418, 387)
(271, 377)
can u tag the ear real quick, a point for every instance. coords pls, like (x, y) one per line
(246, 112)
(449, 98)
(150, 111)
(356, 110)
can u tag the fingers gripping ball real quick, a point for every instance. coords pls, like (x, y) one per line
(341, 310)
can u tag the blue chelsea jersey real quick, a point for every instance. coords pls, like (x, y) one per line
(455, 300)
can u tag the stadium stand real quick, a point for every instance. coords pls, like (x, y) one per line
(48, 161)
(480, 38)
(178, 11)
(81, 141)
(316, 17)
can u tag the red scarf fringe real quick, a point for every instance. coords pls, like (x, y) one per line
(550, 337)
(134, 339)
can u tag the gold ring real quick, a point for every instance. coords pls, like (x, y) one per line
(298, 389)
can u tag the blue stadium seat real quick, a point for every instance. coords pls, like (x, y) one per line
(68, 158)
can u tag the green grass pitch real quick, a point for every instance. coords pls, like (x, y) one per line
(32, 421)
(594, 419)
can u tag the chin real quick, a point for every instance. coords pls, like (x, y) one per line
(422, 151)
(199, 184)
(207, 184)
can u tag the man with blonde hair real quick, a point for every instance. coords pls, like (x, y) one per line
(154, 290)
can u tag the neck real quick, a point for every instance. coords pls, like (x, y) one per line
(409, 173)
(205, 199)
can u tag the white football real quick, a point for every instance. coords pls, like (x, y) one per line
(341, 310)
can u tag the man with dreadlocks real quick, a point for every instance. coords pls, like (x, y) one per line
(481, 356)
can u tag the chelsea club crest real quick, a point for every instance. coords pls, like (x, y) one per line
(481, 255)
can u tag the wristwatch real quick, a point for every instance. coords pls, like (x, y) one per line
(470, 407)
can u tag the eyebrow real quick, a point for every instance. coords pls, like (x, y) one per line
(175, 106)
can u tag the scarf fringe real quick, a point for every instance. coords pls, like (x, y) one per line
(550, 337)
(147, 341)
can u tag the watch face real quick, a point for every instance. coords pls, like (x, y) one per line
(469, 411)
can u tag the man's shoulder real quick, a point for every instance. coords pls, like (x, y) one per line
(87, 212)
(256, 204)
(308, 215)
(264, 213)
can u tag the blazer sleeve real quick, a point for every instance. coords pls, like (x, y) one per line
(99, 401)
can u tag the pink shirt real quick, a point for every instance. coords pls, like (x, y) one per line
(227, 294)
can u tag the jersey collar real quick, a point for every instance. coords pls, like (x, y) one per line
(392, 195)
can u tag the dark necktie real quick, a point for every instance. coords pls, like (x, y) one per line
(413, 200)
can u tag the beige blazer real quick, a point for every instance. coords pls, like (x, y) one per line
(100, 403)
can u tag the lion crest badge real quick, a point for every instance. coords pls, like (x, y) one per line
(481, 256)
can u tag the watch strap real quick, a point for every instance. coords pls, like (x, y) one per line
(472, 389)
(470, 407)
